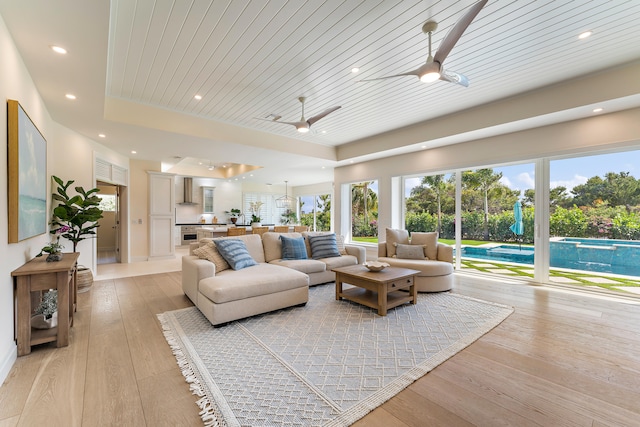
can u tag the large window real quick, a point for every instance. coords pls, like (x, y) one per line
(364, 212)
(315, 212)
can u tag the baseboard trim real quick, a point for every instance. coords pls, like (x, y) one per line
(8, 360)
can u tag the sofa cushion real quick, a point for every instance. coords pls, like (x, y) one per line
(253, 242)
(272, 245)
(429, 239)
(211, 253)
(341, 261)
(410, 251)
(293, 248)
(395, 236)
(235, 253)
(307, 266)
(260, 279)
(324, 246)
(427, 268)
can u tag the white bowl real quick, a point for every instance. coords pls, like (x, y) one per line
(375, 265)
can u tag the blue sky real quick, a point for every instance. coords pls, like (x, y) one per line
(567, 172)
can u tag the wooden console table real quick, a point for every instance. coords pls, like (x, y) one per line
(38, 275)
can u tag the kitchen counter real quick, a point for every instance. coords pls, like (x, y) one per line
(178, 224)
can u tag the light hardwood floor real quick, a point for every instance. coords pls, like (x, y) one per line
(561, 359)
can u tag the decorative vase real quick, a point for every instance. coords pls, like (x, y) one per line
(256, 224)
(55, 256)
(233, 220)
(38, 321)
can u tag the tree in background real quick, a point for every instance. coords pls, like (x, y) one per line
(364, 207)
(483, 180)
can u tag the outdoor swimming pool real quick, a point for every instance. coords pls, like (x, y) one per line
(597, 255)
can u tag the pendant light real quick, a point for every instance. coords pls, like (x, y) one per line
(285, 201)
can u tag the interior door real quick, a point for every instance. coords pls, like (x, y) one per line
(116, 227)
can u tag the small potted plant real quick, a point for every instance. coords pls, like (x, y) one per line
(46, 314)
(254, 207)
(233, 215)
(54, 249)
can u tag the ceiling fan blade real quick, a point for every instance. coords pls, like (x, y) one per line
(278, 121)
(451, 77)
(317, 117)
(456, 32)
(408, 73)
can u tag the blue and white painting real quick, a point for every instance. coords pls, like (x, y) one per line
(32, 178)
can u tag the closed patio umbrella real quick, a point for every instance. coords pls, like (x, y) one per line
(518, 226)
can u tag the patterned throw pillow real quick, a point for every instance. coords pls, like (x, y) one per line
(235, 252)
(210, 253)
(410, 251)
(341, 248)
(324, 246)
(293, 248)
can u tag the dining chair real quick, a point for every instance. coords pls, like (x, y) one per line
(259, 230)
(236, 231)
(300, 228)
(281, 228)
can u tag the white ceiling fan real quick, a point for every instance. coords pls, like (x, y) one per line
(304, 125)
(433, 70)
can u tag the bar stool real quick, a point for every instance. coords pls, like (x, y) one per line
(281, 228)
(300, 228)
(236, 231)
(259, 230)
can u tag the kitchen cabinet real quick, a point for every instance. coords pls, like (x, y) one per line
(207, 199)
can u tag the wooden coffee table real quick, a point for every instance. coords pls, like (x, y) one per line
(380, 290)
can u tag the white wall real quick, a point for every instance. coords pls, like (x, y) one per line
(603, 132)
(69, 156)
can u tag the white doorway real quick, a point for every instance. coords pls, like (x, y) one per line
(108, 233)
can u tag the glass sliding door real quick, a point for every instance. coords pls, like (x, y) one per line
(594, 221)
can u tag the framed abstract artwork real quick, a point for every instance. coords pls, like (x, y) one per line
(27, 175)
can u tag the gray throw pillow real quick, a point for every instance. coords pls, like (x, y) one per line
(410, 251)
(324, 246)
(235, 252)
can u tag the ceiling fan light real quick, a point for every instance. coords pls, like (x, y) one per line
(430, 77)
(303, 128)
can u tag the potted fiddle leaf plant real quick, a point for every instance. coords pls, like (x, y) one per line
(75, 217)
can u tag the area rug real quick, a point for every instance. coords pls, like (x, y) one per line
(328, 363)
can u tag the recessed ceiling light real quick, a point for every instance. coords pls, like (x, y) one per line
(423, 147)
(598, 110)
(70, 96)
(350, 161)
(58, 49)
(102, 135)
(585, 35)
(198, 97)
(324, 131)
(355, 70)
(134, 152)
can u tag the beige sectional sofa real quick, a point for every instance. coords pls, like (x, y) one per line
(270, 285)
(436, 268)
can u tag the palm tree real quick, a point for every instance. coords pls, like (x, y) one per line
(482, 180)
(363, 199)
(439, 187)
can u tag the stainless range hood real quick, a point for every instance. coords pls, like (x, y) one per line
(188, 192)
